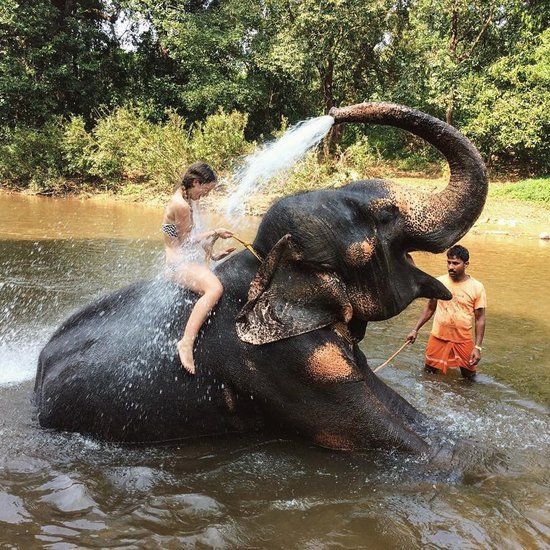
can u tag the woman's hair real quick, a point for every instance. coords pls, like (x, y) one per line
(198, 171)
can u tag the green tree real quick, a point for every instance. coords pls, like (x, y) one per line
(332, 47)
(457, 39)
(488, 73)
(507, 107)
(57, 57)
(216, 53)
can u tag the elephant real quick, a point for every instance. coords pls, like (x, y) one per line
(281, 348)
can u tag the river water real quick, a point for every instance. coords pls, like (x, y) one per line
(65, 491)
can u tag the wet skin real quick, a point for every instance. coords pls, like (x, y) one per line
(456, 268)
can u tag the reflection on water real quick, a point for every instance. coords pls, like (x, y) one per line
(55, 488)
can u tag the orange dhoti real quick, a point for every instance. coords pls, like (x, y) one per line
(444, 354)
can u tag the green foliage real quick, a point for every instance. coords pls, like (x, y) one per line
(117, 139)
(130, 190)
(359, 161)
(362, 157)
(485, 69)
(212, 55)
(166, 151)
(57, 58)
(140, 88)
(329, 46)
(311, 173)
(220, 138)
(532, 190)
(509, 118)
(127, 145)
(123, 150)
(29, 157)
(77, 147)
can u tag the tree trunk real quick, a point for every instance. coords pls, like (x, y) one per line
(453, 43)
(334, 136)
(449, 112)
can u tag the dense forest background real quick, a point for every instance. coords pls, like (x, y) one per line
(100, 91)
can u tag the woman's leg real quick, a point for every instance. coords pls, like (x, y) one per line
(202, 281)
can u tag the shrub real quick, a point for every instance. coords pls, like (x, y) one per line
(118, 141)
(220, 138)
(130, 190)
(78, 147)
(313, 173)
(361, 157)
(126, 145)
(166, 151)
(125, 151)
(29, 156)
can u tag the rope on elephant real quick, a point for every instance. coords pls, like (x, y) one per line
(209, 248)
(385, 363)
(248, 246)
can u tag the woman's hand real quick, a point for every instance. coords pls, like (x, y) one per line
(223, 233)
(411, 337)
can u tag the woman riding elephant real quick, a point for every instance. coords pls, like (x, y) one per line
(185, 249)
(284, 336)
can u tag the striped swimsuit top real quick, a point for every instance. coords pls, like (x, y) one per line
(170, 229)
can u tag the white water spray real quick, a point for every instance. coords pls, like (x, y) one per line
(280, 155)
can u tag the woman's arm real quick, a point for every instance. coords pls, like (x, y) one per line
(220, 232)
(201, 237)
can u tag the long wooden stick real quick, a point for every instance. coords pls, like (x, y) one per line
(390, 358)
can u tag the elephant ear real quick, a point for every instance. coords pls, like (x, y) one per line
(287, 297)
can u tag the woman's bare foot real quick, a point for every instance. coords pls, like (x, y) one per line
(185, 351)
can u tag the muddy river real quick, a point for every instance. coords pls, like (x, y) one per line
(66, 491)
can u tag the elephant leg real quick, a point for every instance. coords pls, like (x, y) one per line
(317, 387)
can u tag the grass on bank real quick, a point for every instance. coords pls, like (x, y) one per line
(529, 190)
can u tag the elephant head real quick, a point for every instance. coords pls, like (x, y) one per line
(333, 256)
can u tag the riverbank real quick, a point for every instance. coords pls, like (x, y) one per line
(501, 215)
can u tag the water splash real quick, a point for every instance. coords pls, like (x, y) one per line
(259, 167)
(191, 250)
(18, 361)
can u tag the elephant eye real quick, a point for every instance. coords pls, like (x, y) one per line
(388, 213)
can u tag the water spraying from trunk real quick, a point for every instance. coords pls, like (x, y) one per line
(280, 155)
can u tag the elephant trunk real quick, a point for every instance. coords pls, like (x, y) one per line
(433, 221)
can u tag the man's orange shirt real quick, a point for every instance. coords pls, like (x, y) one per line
(454, 318)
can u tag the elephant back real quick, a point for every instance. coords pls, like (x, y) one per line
(112, 370)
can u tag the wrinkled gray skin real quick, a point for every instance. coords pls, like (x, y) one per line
(281, 347)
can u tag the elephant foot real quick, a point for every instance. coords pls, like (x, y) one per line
(185, 352)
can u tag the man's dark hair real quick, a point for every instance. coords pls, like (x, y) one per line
(198, 171)
(458, 251)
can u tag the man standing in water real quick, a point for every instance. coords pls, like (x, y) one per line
(450, 344)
